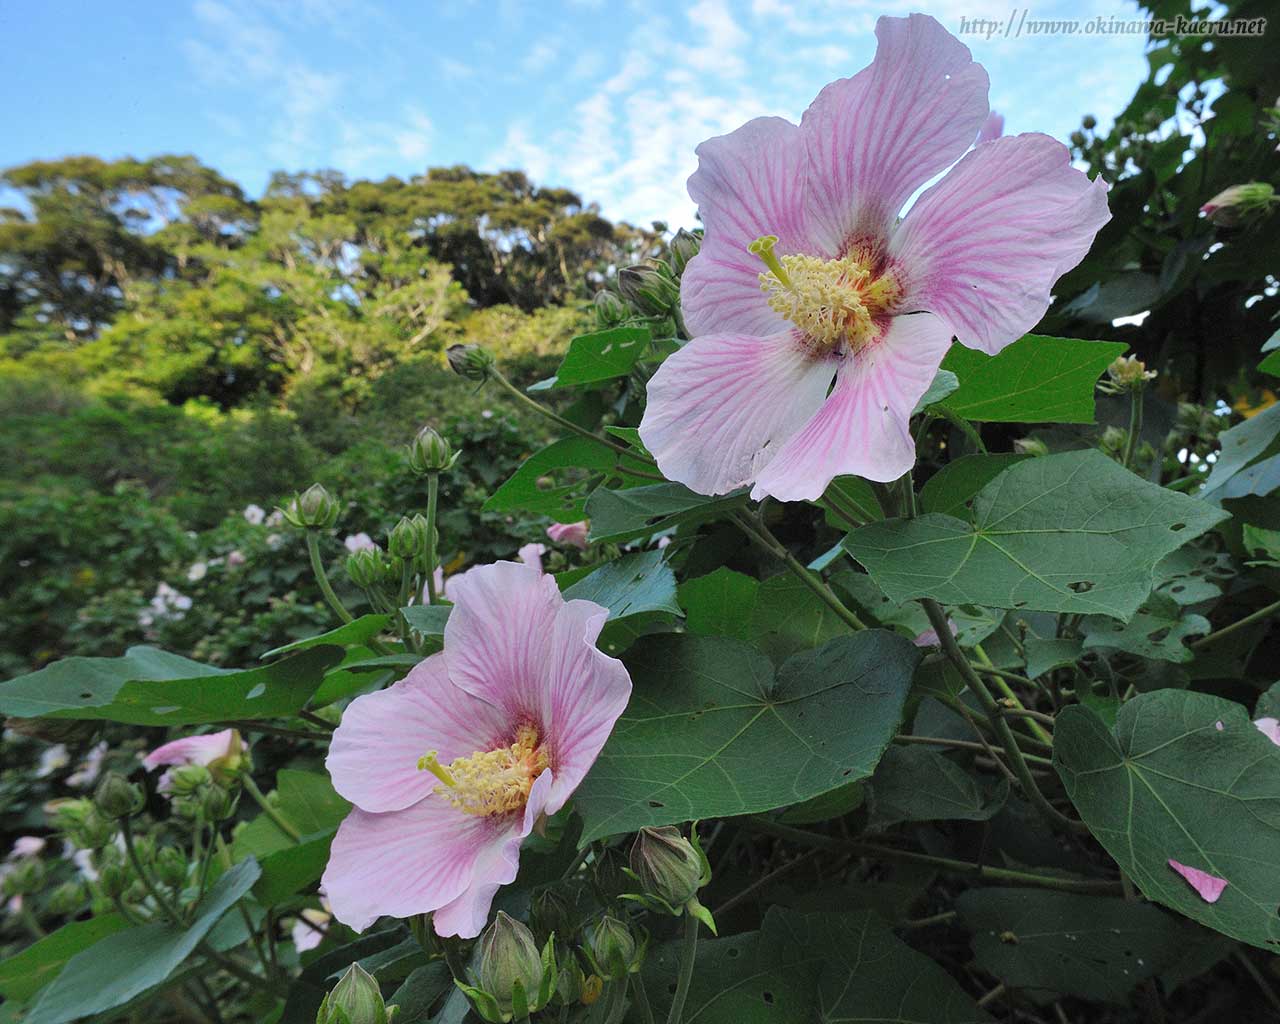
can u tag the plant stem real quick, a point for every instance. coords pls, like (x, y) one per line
(926, 922)
(314, 719)
(1248, 620)
(144, 876)
(761, 536)
(281, 822)
(642, 997)
(1135, 427)
(1000, 677)
(992, 708)
(688, 953)
(322, 578)
(433, 498)
(966, 745)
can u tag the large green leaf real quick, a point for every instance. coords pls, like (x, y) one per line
(1183, 776)
(123, 965)
(1157, 631)
(801, 968)
(1069, 533)
(1243, 445)
(23, 975)
(712, 731)
(602, 356)
(538, 486)
(913, 783)
(1095, 947)
(787, 617)
(719, 603)
(632, 585)
(307, 800)
(152, 687)
(950, 489)
(631, 512)
(1037, 379)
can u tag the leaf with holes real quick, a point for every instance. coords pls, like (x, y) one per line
(713, 731)
(1037, 379)
(148, 686)
(605, 355)
(553, 481)
(1064, 533)
(1157, 631)
(1187, 777)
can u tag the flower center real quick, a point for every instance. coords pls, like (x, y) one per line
(835, 303)
(491, 781)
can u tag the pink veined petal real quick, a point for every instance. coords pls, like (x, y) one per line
(373, 757)
(749, 183)
(193, 749)
(1270, 728)
(863, 427)
(1210, 887)
(875, 138)
(718, 409)
(496, 640)
(405, 862)
(496, 866)
(584, 692)
(992, 128)
(983, 247)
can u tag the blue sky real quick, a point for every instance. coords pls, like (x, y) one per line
(608, 98)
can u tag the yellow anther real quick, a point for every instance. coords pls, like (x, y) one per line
(763, 247)
(492, 781)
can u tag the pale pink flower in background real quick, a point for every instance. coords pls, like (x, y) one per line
(197, 572)
(359, 542)
(90, 768)
(573, 534)
(52, 759)
(806, 279)
(274, 540)
(1209, 887)
(450, 768)
(235, 559)
(215, 751)
(486, 414)
(83, 860)
(27, 846)
(1270, 728)
(442, 584)
(663, 542)
(254, 514)
(531, 555)
(275, 519)
(992, 127)
(308, 931)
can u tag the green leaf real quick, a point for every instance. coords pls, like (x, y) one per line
(634, 584)
(292, 869)
(631, 512)
(1241, 446)
(1073, 532)
(538, 486)
(1270, 364)
(1183, 776)
(1037, 379)
(1156, 632)
(152, 687)
(719, 604)
(944, 383)
(350, 634)
(421, 991)
(1046, 655)
(951, 488)
(307, 800)
(789, 617)
(973, 625)
(854, 494)
(1094, 947)
(913, 783)
(711, 731)
(427, 619)
(602, 356)
(23, 975)
(127, 963)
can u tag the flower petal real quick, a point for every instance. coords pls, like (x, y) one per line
(875, 138)
(194, 749)
(373, 757)
(1210, 887)
(983, 247)
(992, 128)
(405, 862)
(496, 639)
(584, 692)
(749, 183)
(863, 427)
(496, 866)
(1270, 728)
(718, 408)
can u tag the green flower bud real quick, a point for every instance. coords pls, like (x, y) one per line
(114, 879)
(612, 949)
(216, 804)
(551, 913)
(430, 453)
(24, 876)
(171, 866)
(511, 969)
(1030, 446)
(610, 310)
(1090, 122)
(356, 999)
(116, 797)
(1077, 139)
(135, 893)
(1128, 373)
(366, 568)
(95, 832)
(650, 290)
(1236, 204)
(471, 361)
(684, 247)
(67, 899)
(313, 509)
(408, 539)
(69, 815)
(666, 865)
(185, 779)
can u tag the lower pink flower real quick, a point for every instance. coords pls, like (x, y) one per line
(215, 751)
(450, 768)
(574, 534)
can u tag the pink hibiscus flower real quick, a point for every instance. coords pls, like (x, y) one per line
(574, 534)
(450, 768)
(215, 751)
(805, 277)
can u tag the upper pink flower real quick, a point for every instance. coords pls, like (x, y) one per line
(215, 750)
(450, 768)
(805, 275)
(570, 533)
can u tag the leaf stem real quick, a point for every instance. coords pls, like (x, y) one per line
(688, 954)
(642, 997)
(1000, 678)
(281, 822)
(433, 499)
(144, 876)
(1135, 427)
(322, 578)
(1248, 620)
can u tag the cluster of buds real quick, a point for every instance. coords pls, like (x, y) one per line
(670, 870)
(82, 823)
(430, 453)
(355, 999)
(513, 979)
(1126, 373)
(313, 509)
(1233, 206)
(650, 289)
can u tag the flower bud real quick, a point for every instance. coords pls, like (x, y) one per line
(471, 361)
(408, 539)
(1030, 446)
(313, 509)
(570, 982)
(1233, 205)
(356, 999)
(551, 913)
(366, 568)
(592, 986)
(116, 797)
(67, 899)
(114, 879)
(610, 310)
(1089, 122)
(650, 290)
(666, 865)
(430, 453)
(1077, 139)
(67, 815)
(1128, 373)
(185, 779)
(612, 949)
(171, 866)
(216, 804)
(23, 876)
(684, 247)
(509, 958)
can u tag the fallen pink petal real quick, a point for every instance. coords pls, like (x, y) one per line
(1270, 728)
(1210, 887)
